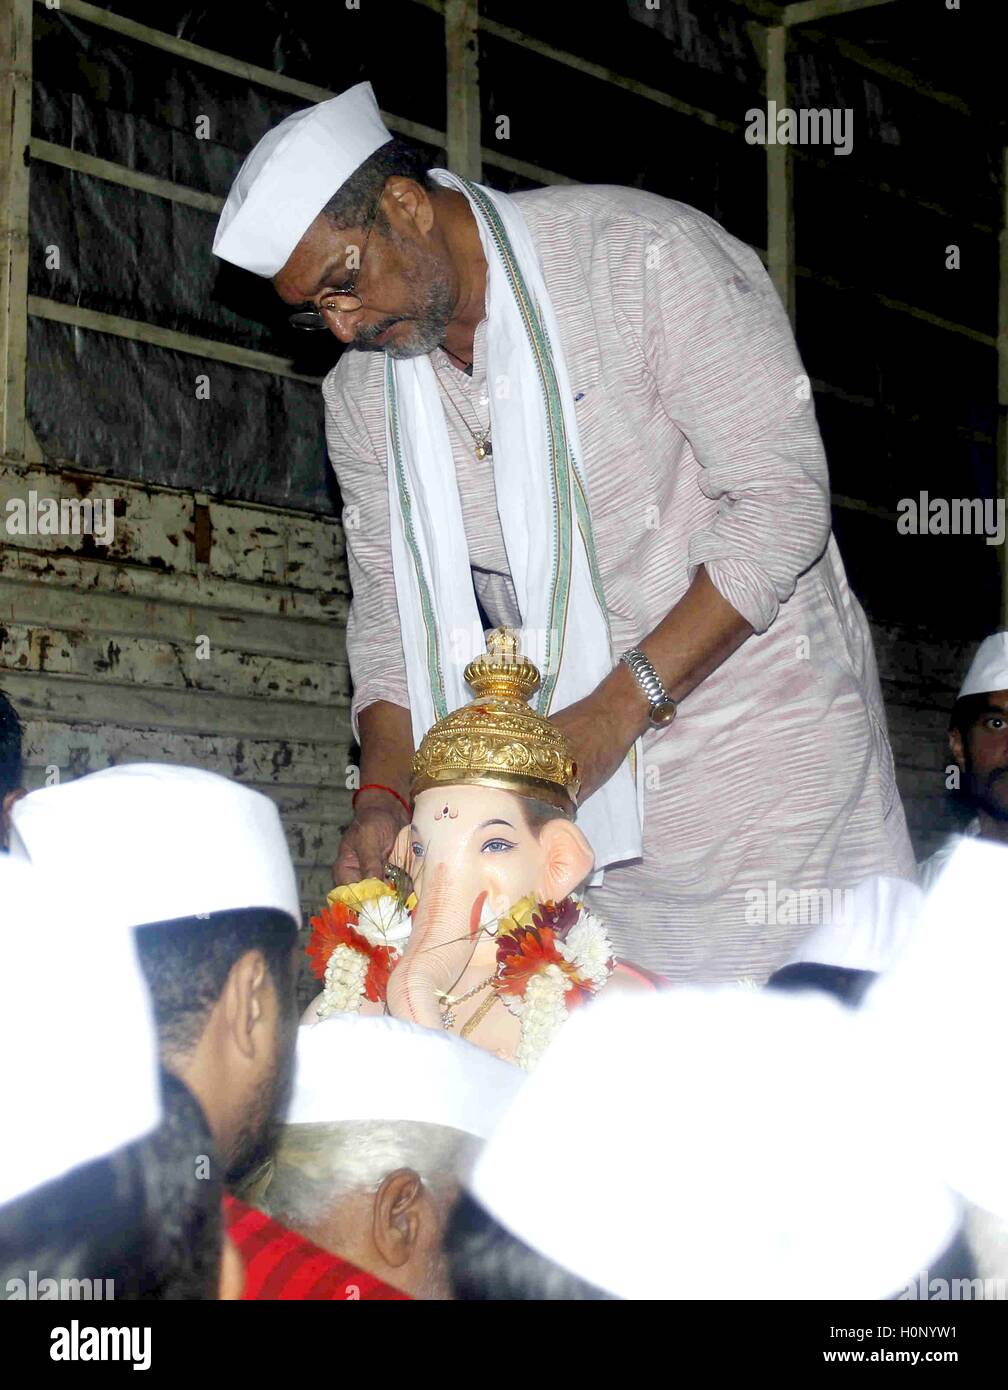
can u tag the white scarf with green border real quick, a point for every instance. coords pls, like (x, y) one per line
(543, 506)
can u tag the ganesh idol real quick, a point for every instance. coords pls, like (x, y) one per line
(477, 927)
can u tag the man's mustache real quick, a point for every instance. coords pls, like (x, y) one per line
(365, 337)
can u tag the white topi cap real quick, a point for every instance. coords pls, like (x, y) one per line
(80, 1072)
(718, 1143)
(290, 176)
(148, 842)
(358, 1068)
(942, 1004)
(874, 922)
(989, 668)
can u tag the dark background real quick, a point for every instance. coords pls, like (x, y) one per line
(904, 404)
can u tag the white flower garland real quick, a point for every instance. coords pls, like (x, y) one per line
(383, 922)
(346, 973)
(589, 949)
(542, 1009)
(543, 1015)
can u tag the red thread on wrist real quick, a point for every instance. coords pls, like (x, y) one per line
(379, 787)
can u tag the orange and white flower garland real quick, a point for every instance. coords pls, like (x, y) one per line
(550, 958)
(356, 941)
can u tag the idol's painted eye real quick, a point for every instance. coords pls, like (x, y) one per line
(497, 846)
(416, 849)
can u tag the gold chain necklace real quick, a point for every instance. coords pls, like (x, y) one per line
(477, 1018)
(481, 437)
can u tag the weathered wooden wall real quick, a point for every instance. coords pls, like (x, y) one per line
(100, 648)
(921, 673)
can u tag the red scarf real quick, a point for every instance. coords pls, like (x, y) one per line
(280, 1264)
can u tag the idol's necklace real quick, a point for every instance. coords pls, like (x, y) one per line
(477, 1018)
(450, 1000)
(481, 436)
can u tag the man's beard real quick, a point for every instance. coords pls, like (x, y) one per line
(434, 303)
(257, 1137)
(990, 793)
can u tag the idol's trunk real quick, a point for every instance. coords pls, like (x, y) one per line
(439, 949)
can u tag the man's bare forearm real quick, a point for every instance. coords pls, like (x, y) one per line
(690, 642)
(386, 743)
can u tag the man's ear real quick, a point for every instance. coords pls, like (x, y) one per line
(567, 859)
(397, 1219)
(956, 748)
(245, 1001)
(408, 199)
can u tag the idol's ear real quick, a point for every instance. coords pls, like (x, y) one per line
(567, 860)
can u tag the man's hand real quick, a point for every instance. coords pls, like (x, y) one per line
(602, 728)
(690, 642)
(386, 739)
(367, 842)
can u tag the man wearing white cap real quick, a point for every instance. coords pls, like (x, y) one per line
(845, 954)
(385, 1121)
(580, 412)
(944, 996)
(200, 866)
(774, 1160)
(978, 741)
(58, 1069)
(99, 1194)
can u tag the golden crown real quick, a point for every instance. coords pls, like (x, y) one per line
(497, 740)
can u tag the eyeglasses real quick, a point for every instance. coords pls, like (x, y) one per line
(344, 301)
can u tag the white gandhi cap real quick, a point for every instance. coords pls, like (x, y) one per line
(942, 1004)
(148, 842)
(989, 668)
(354, 1068)
(80, 1073)
(718, 1143)
(290, 176)
(876, 919)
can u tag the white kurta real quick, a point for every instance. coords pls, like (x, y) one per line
(701, 447)
(930, 870)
